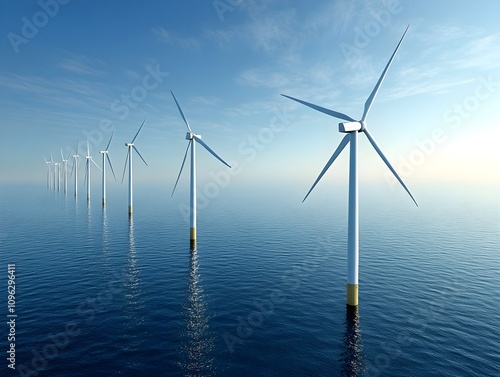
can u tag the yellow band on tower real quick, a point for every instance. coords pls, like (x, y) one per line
(129, 210)
(352, 294)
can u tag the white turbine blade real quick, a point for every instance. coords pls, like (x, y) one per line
(62, 156)
(111, 166)
(88, 149)
(381, 154)
(339, 149)
(51, 159)
(210, 150)
(369, 101)
(182, 114)
(95, 164)
(72, 168)
(45, 160)
(135, 149)
(322, 109)
(126, 162)
(86, 172)
(107, 146)
(77, 148)
(182, 167)
(140, 128)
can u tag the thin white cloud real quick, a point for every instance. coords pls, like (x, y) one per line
(186, 43)
(82, 65)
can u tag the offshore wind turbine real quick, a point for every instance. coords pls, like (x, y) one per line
(65, 170)
(105, 156)
(128, 160)
(57, 172)
(75, 167)
(49, 167)
(351, 128)
(87, 171)
(193, 139)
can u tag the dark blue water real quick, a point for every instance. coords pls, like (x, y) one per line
(264, 295)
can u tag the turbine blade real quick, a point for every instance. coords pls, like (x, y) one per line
(107, 146)
(111, 166)
(335, 154)
(86, 172)
(77, 148)
(88, 149)
(95, 164)
(180, 111)
(126, 162)
(135, 149)
(72, 168)
(381, 154)
(62, 156)
(45, 160)
(140, 128)
(322, 109)
(182, 167)
(51, 159)
(210, 150)
(369, 101)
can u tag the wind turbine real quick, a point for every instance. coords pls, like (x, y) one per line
(54, 171)
(351, 128)
(193, 138)
(105, 156)
(49, 167)
(58, 173)
(128, 160)
(87, 171)
(75, 167)
(65, 170)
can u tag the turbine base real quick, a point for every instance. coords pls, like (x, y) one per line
(130, 210)
(192, 238)
(352, 294)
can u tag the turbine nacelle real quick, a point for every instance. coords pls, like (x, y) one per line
(191, 135)
(351, 126)
(103, 151)
(129, 144)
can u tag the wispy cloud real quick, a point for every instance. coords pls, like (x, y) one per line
(186, 43)
(82, 65)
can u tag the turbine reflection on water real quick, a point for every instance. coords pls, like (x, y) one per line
(198, 343)
(352, 362)
(134, 307)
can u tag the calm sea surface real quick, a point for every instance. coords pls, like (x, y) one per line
(98, 294)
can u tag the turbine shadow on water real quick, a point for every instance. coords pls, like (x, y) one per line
(351, 360)
(198, 342)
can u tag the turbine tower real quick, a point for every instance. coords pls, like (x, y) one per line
(58, 174)
(65, 170)
(105, 156)
(128, 160)
(351, 128)
(87, 171)
(75, 167)
(49, 167)
(193, 139)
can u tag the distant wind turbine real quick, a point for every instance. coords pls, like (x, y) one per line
(193, 138)
(128, 160)
(49, 167)
(75, 168)
(105, 156)
(53, 172)
(351, 128)
(87, 171)
(58, 174)
(65, 170)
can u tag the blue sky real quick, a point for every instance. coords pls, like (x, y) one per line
(77, 69)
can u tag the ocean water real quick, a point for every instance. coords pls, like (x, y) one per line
(99, 294)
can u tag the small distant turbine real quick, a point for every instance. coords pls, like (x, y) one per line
(105, 156)
(128, 160)
(65, 170)
(193, 138)
(75, 168)
(58, 174)
(87, 171)
(352, 128)
(49, 168)
(53, 172)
